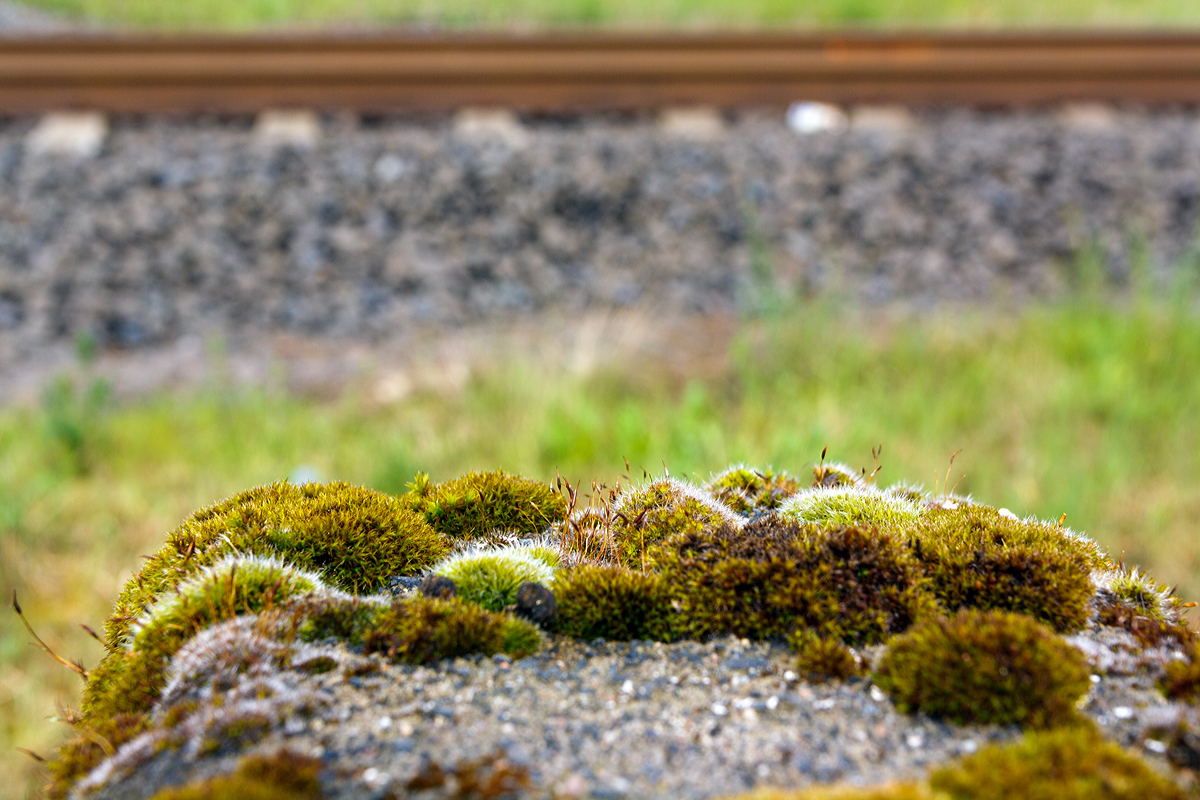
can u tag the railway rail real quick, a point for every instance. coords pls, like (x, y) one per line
(570, 73)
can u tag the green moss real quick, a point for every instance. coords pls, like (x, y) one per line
(1182, 679)
(282, 776)
(652, 513)
(976, 557)
(1068, 764)
(748, 491)
(355, 538)
(988, 667)
(823, 659)
(612, 603)
(835, 475)
(322, 617)
(1139, 592)
(490, 578)
(850, 506)
(480, 502)
(774, 576)
(95, 740)
(424, 630)
(231, 587)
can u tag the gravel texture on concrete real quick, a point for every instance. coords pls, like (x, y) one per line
(600, 720)
(374, 228)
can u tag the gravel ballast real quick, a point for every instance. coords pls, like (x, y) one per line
(372, 229)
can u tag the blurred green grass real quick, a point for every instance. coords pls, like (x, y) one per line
(1085, 407)
(660, 13)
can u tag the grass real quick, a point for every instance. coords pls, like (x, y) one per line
(1083, 407)
(237, 14)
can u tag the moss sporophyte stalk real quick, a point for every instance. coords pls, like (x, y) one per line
(965, 606)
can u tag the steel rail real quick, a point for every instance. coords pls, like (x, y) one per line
(564, 72)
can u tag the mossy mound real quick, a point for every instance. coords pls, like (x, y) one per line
(425, 630)
(613, 603)
(823, 660)
(835, 475)
(1067, 764)
(282, 776)
(987, 667)
(490, 578)
(355, 538)
(976, 557)
(773, 577)
(851, 506)
(478, 503)
(644, 516)
(751, 491)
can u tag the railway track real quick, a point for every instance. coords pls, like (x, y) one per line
(552, 73)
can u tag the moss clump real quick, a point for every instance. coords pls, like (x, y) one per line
(823, 660)
(835, 475)
(850, 506)
(613, 603)
(656, 511)
(96, 738)
(1067, 764)
(282, 776)
(481, 502)
(976, 557)
(423, 630)
(355, 538)
(232, 586)
(987, 667)
(775, 576)
(749, 491)
(1182, 679)
(490, 578)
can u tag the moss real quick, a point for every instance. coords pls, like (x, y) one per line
(490, 777)
(891, 791)
(823, 660)
(95, 740)
(908, 491)
(478, 503)
(612, 603)
(1068, 764)
(1182, 679)
(850, 506)
(749, 491)
(321, 617)
(987, 667)
(835, 475)
(774, 576)
(490, 578)
(1150, 630)
(649, 514)
(424, 630)
(233, 586)
(282, 776)
(976, 557)
(355, 538)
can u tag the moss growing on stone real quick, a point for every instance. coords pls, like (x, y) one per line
(976, 557)
(355, 538)
(490, 578)
(834, 475)
(282, 776)
(424, 630)
(613, 603)
(652, 513)
(822, 659)
(851, 506)
(750, 491)
(233, 586)
(1074, 763)
(477, 503)
(987, 667)
(1182, 679)
(95, 739)
(774, 576)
